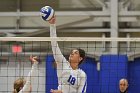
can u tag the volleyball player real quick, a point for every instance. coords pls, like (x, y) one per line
(123, 85)
(71, 78)
(24, 86)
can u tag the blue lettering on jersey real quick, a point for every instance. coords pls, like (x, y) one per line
(72, 80)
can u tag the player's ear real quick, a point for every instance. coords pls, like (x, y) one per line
(80, 58)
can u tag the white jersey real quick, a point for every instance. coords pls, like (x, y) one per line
(69, 80)
(26, 88)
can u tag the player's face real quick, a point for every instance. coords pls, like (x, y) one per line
(123, 86)
(75, 56)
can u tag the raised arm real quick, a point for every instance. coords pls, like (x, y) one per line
(58, 56)
(27, 85)
(55, 47)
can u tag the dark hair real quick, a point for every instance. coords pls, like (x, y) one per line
(82, 54)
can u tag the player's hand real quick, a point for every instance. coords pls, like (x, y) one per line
(52, 20)
(56, 91)
(33, 59)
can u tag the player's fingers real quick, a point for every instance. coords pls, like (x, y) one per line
(35, 57)
(30, 56)
(52, 20)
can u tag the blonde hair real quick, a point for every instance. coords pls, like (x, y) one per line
(15, 91)
(18, 84)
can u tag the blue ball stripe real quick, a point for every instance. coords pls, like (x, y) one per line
(43, 10)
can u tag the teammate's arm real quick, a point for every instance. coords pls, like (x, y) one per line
(27, 85)
(56, 91)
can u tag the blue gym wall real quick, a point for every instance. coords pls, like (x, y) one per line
(89, 66)
(134, 75)
(113, 68)
(51, 75)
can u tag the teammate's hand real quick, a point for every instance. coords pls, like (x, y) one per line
(56, 91)
(52, 20)
(33, 59)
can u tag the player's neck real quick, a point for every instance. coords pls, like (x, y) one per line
(74, 66)
(124, 91)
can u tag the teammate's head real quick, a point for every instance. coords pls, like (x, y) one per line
(18, 84)
(77, 55)
(123, 85)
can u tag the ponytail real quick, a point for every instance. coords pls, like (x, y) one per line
(15, 91)
(18, 84)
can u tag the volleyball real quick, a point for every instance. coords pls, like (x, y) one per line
(46, 13)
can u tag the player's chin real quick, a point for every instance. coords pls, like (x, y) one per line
(122, 90)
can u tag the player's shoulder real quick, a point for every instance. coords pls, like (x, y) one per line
(82, 72)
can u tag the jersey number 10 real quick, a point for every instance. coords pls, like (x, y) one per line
(71, 80)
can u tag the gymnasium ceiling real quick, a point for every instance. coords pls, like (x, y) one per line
(21, 17)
